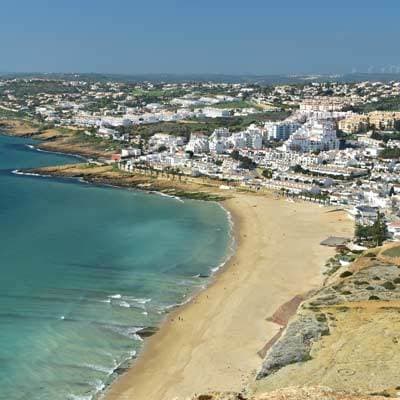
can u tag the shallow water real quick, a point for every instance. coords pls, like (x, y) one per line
(83, 267)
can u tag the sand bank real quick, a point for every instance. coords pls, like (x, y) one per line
(212, 343)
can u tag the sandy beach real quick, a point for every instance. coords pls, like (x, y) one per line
(212, 342)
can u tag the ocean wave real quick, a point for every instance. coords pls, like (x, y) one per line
(124, 304)
(115, 296)
(98, 385)
(232, 239)
(126, 331)
(79, 397)
(132, 353)
(56, 152)
(18, 172)
(99, 368)
(176, 305)
(166, 195)
(213, 270)
(126, 301)
(137, 300)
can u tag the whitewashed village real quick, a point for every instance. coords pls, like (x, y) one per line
(331, 143)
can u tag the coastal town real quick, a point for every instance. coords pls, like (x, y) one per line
(331, 143)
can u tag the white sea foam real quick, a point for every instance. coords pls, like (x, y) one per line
(127, 301)
(137, 337)
(77, 397)
(98, 385)
(167, 195)
(57, 152)
(232, 244)
(99, 368)
(18, 172)
(129, 332)
(115, 296)
(140, 301)
(171, 306)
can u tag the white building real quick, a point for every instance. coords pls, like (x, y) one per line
(198, 144)
(281, 130)
(210, 112)
(313, 136)
(130, 153)
(217, 146)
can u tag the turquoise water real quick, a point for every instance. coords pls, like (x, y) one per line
(83, 267)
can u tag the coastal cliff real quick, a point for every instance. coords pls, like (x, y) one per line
(69, 141)
(346, 336)
(343, 342)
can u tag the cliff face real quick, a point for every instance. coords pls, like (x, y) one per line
(344, 341)
(345, 337)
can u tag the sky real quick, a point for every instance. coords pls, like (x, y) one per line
(203, 36)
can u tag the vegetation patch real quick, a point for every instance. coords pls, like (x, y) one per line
(393, 252)
(373, 297)
(389, 285)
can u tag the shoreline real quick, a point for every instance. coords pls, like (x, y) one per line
(196, 339)
(169, 363)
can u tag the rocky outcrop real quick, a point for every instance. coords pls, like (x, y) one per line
(296, 344)
(345, 336)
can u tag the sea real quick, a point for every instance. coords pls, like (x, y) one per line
(84, 267)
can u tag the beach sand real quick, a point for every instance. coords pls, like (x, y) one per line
(212, 342)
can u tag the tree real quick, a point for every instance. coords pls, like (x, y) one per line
(375, 135)
(379, 230)
(267, 173)
(389, 153)
(235, 155)
(362, 232)
(247, 163)
(298, 169)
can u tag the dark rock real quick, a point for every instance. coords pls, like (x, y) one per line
(147, 332)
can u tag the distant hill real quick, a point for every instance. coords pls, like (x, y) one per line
(223, 78)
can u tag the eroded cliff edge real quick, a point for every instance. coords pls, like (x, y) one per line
(343, 342)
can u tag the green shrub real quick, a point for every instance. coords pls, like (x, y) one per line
(389, 285)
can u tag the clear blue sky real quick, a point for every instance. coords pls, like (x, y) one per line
(218, 36)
